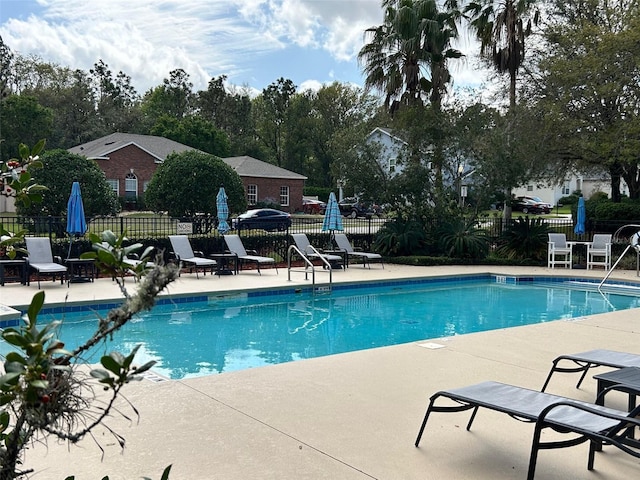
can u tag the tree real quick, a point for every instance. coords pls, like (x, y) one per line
(339, 118)
(271, 111)
(407, 58)
(230, 110)
(501, 27)
(174, 97)
(414, 36)
(23, 118)
(60, 170)
(117, 102)
(6, 58)
(194, 132)
(187, 183)
(594, 117)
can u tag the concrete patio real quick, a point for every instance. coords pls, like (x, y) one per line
(348, 416)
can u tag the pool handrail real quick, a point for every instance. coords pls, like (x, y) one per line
(634, 242)
(293, 248)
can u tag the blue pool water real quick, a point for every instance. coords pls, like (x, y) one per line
(222, 334)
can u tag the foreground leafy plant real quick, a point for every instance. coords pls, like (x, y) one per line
(42, 391)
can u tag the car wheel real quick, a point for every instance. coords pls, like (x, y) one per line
(525, 210)
(354, 214)
(282, 227)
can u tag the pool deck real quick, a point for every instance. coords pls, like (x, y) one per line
(351, 416)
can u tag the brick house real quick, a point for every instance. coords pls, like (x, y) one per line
(130, 160)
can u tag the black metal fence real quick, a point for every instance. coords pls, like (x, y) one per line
(163, 226)
(155, 229)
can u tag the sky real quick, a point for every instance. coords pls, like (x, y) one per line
(252, 42)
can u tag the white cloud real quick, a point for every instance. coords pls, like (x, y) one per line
(253, 42)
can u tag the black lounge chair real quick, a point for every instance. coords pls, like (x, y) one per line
(185, 255)
(235, 245)
(345, 245)
(583, 361)
(587, 422)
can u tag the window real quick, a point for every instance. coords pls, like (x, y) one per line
(529, 188)
(392, 165)
(145, 185)
(284, 196)
(130, 185)
(114, 184)
(252, 194)
(565, 189)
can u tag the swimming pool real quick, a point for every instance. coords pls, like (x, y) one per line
(210, 334)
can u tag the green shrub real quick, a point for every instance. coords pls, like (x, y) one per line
(399, 237)
(627, 210)
(526, 238)
(461, 238)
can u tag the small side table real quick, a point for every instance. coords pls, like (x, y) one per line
(623, 377)
(80, 270)
(627, 378)
(19, 267)
(223, 263)
(341, 253)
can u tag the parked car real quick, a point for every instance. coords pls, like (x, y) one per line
(528, 206)
(546, 206)
(314, 207)
(353, 208)
(264, 218)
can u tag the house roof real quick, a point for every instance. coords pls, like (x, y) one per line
(160, 148)
(388, 132)
(251, 167)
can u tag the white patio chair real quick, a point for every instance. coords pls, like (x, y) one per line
(599, 251)
(559, 252)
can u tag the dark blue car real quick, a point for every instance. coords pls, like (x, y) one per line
(264, 218)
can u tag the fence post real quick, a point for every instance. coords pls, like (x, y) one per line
(121, 225)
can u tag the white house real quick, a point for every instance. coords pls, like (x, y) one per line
(587, 184)
(391, 147)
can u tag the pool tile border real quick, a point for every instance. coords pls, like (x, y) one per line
(434, 281)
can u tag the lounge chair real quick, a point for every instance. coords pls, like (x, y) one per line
(559, 251)
(584, 361)
(312, 253)
(234, 244)
(343, 244)
(584, 421)
(184, 253)
(40, 259)
(599, 251)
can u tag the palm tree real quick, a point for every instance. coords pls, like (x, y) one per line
(501, 26)
(414, 35)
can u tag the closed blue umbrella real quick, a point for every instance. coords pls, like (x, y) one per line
(332, 216)
(76, 223)
(581, 218)
(223, 211)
